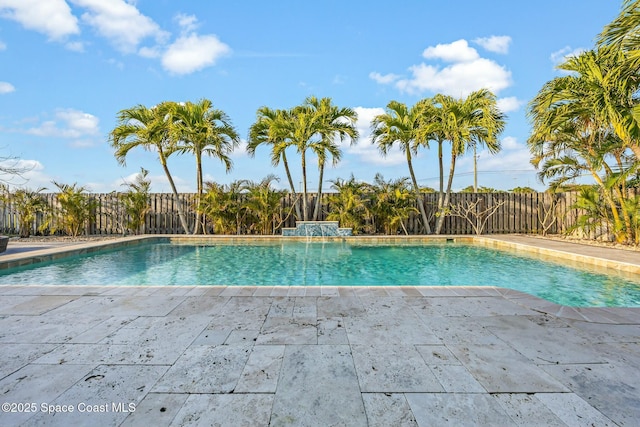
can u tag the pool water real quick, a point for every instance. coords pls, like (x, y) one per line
(334, 264)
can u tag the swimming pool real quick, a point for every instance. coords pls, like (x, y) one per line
(332, 263)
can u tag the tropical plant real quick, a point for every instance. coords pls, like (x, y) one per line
(464, 123)
(151, 129)
(136, 202)
(263, 204)
(520, 190)
(393, 204)
(76, 208)
(481, 189)
(222, 206)
(581, 124)
(624, 31)
(336, 124)
(594, 218)
(399, 125)
(29, 204)
(272, 127)
(351, 205)
(201, 130)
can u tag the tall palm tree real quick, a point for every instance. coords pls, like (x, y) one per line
(624, 31)
(400, 125)
(304, 125)
(201, 130)
(466, 123)
(272, 127)
(336, 124)
(432, 118)
(149, 128)
(585, 118)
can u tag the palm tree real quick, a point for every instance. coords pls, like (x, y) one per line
(136, 201)
(272, 127)
(624, 31)
(76, 206)
(203, 130)
(393, 203)
(303, 124)
(431, 121)
(351, 205)
(400, 125)
(263, 202)
(29, 204)
(222, 206)
(466, 123)
(585, 118)
(149, 128)
(607, 81)
(336, 124)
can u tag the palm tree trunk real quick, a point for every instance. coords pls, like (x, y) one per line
(183, 221)
(447, 196)
(419, 198)
(293, 187)
(441, 170)
(316, 210)
(304, 187)
(197, 228)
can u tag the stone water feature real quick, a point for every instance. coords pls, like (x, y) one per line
(317, 229)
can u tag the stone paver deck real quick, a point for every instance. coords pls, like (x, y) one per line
(316, 356)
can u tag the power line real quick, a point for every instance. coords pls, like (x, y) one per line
(492, 172)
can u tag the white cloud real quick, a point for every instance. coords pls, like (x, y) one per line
(32, 178)
(459, 79)
(68, 123)
(383, 79)
(511, 143)
(240, 151)
(466, 72)
(50, 17)
(188, 23)
(458, 51)
(192, 53)
(497, 44)
(75, 46)
(3, 46)
(160, 184)
(6, 88)
(560, 56)
(510, 103)
(120, 22)
(150, 52)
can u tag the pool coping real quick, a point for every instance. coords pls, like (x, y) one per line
(568, 252)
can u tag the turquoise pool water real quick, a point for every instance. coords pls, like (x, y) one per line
(339, 264)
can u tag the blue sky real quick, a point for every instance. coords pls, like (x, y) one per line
(68, 66)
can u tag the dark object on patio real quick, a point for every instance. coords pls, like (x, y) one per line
(3, 243)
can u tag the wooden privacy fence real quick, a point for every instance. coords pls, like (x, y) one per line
(514, 213)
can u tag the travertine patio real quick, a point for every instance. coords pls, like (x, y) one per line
(253, 356)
